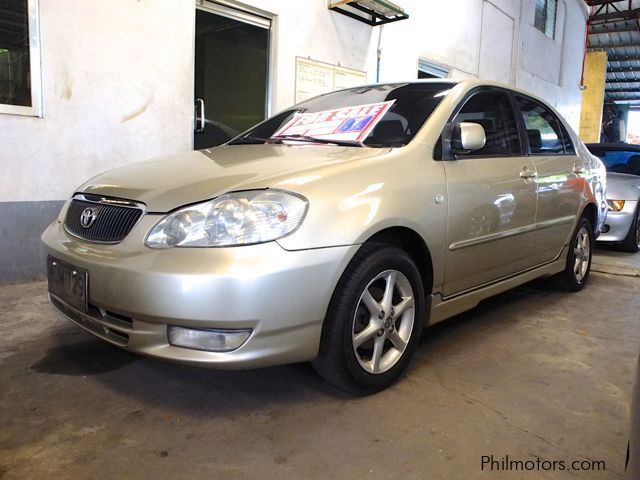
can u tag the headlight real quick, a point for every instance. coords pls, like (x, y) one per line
(615, 205)
(239, 218)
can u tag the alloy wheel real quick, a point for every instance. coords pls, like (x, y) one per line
(383, 321)
(582, 254)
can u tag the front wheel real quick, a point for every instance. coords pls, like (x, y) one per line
(374, 321)
(575, 275)
(632, 242)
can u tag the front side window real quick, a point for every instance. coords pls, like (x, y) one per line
(545, 16)
(410, 105)
(543, 128)
(492, 110)
(19, 58)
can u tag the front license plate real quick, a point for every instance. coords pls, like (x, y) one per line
(68, 283)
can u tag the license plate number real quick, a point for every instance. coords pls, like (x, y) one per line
(68, 283)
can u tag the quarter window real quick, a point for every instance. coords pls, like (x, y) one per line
(543, 128)
(19, 58)
(492, 110)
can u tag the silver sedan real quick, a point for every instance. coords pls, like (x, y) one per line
(331, 232)
(622, 161)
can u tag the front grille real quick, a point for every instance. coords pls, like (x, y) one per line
(113, 221)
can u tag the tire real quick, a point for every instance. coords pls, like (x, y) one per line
(576, 273)
(387, 337)
(632, 241)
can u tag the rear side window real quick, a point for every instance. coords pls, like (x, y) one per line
(544, 131)
(493, 111)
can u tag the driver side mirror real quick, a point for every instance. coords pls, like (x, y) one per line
(462, 138)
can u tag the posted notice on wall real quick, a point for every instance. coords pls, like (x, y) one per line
(349, 123)
(315, 78)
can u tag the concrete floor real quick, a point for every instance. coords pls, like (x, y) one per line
(533, 373)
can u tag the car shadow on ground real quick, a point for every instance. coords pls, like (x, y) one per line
(198, 390)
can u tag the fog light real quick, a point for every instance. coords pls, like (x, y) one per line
(211, 340)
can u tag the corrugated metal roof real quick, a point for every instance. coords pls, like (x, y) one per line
(614, 27)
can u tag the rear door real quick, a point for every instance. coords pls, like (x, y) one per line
(492, 198)
(560, 181)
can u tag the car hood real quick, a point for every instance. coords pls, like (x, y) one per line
(170, 182)
(621, 186)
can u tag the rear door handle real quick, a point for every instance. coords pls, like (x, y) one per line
(577, 169)
(527, 174)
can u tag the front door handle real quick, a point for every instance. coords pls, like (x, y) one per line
(200, 115)
(577, 169)
(527, 174)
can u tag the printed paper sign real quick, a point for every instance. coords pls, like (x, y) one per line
(348, 123)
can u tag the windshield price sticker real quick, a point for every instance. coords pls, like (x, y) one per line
(348, 123)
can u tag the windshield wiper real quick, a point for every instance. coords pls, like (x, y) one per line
(247, 140)
(308, 139)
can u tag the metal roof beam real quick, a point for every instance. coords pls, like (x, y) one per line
(621, 80)
(614, 30)
(633, 14)
(623, 90)
(595, 3)
(624, 70)
(623, 58)
(613, 45)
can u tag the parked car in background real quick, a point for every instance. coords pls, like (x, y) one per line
(331, 232)
(622, 161)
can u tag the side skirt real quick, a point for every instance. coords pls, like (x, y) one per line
(441, 309)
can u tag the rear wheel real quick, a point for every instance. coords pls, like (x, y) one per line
(374, 321)
(632, 242)
(575, 275)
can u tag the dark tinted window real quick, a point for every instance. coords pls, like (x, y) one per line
(619, 161)
(493, 111)
(543, 128)
(414, 103)
(15, 75)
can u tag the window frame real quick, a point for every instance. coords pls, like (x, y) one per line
(564, 133)
(552, 34)
(431, 68)
(35, 70)
(514, 107)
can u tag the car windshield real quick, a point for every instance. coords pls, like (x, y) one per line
(619, 161)
(375, 116)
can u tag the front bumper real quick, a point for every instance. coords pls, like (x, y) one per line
(136, 292)
(617, 225)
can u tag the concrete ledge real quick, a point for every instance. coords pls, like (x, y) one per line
(22, 255)
(608, 260)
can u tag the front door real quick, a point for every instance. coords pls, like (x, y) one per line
(492, 199)
(231, 73)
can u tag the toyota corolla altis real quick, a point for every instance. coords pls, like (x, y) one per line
(331, 232)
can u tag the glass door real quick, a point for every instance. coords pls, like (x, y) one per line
(231, 73)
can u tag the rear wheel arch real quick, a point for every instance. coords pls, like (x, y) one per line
(591, 213)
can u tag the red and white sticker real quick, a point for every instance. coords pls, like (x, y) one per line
(348, 123)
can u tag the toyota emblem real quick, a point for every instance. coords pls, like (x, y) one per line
(87, 217)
